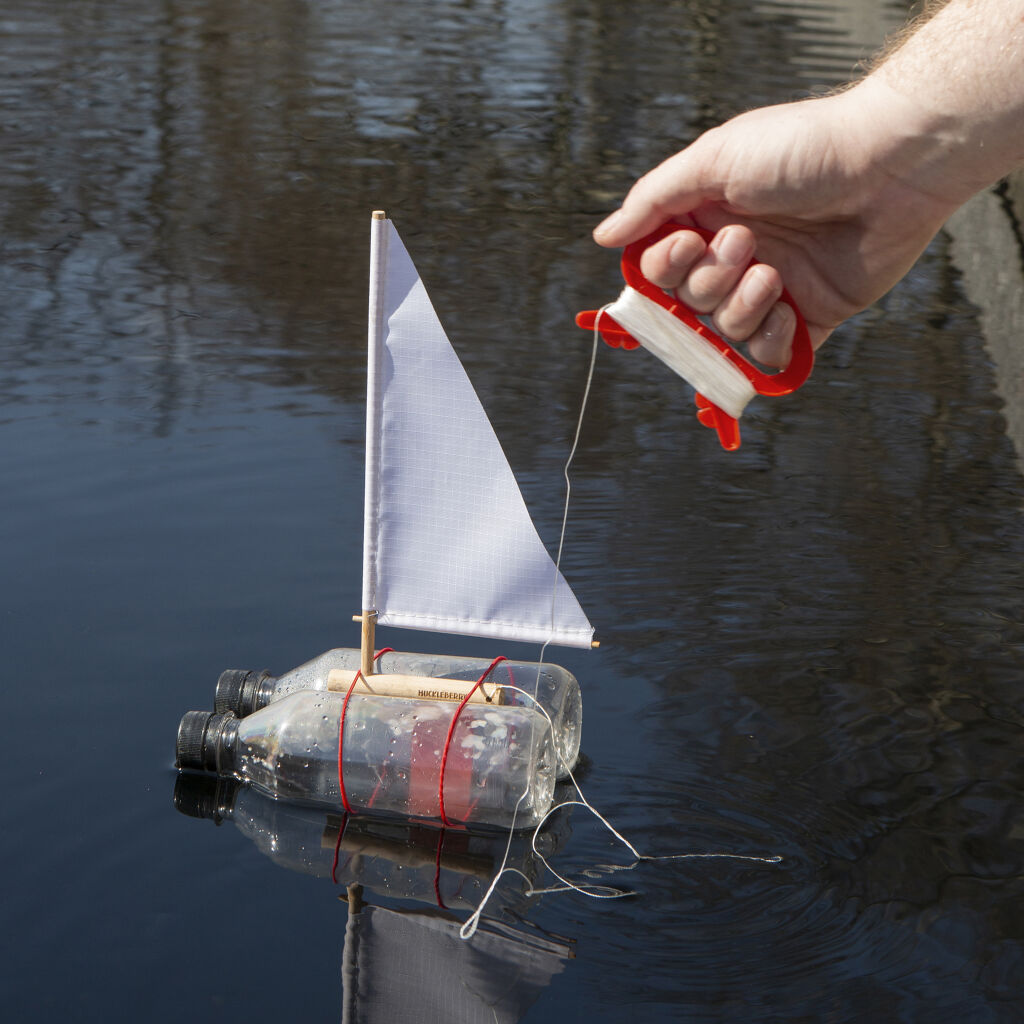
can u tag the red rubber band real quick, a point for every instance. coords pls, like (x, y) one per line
(341, 731)
(341, 740)
(451, 730)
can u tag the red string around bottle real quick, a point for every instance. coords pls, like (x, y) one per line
(341, 741)
(451, 731)
(341, 730)
(447, 743)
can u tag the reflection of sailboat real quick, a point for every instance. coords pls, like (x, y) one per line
(412, 966)
(445, 868)
(448, 544)
(400, 964)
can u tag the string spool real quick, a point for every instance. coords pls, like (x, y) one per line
(724, 380)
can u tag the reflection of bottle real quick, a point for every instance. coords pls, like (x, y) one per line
(450, 868)
(499, 769)
(555, 689)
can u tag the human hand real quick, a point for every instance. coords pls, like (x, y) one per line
(822, 192)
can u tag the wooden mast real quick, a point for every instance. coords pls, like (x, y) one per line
(375, 329)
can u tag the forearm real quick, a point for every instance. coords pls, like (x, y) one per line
(953, 93)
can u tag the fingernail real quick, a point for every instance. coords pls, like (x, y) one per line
(608, 224)
(732, 247)
(757, 288)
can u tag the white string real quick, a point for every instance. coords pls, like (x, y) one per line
(682, 349)
(603, 892)
(568, 486)
(606, 892)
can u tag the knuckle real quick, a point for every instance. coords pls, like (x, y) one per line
(734, 326)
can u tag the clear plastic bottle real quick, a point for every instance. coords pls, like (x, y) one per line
(500, 769)
(242, 692)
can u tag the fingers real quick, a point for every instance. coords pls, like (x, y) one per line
(717, 279)
(667, 263)
(740, 313)
(713, 281)
(772, 343)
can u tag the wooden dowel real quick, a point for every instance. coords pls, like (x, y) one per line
(393, 684)
(369, 621)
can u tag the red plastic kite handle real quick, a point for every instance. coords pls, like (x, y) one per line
(782, 383)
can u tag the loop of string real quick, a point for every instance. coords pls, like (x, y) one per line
(604, 892)
(341, 732)
(451, 731)
(447, 743)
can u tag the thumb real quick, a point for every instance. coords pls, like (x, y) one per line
(670, 191)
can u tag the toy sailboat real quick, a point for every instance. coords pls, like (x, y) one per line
(448, 546)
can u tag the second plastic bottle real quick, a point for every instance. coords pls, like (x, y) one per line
(555, 689)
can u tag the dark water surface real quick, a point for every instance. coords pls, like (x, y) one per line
(812, 648)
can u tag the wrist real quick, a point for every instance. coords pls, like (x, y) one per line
(955, 89)
(939, 156)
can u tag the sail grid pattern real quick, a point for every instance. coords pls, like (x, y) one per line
(455, 549)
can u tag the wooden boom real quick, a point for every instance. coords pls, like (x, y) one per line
(421, 687)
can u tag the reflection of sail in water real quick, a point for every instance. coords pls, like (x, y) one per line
(412, 966)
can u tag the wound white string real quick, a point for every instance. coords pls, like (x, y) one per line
(591, 890)
(683, 350)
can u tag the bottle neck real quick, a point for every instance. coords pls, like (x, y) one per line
(224, 743)
(260, 693)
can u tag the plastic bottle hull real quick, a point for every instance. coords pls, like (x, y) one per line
(500, 767)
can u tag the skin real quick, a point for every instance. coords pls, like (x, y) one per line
(837, 196)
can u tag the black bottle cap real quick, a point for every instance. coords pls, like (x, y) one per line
(198, 736)
(204, 796)
(239, 691)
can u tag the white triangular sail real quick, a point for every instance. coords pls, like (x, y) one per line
(448, 543)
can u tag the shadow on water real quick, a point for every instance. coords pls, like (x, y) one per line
(811, 648)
